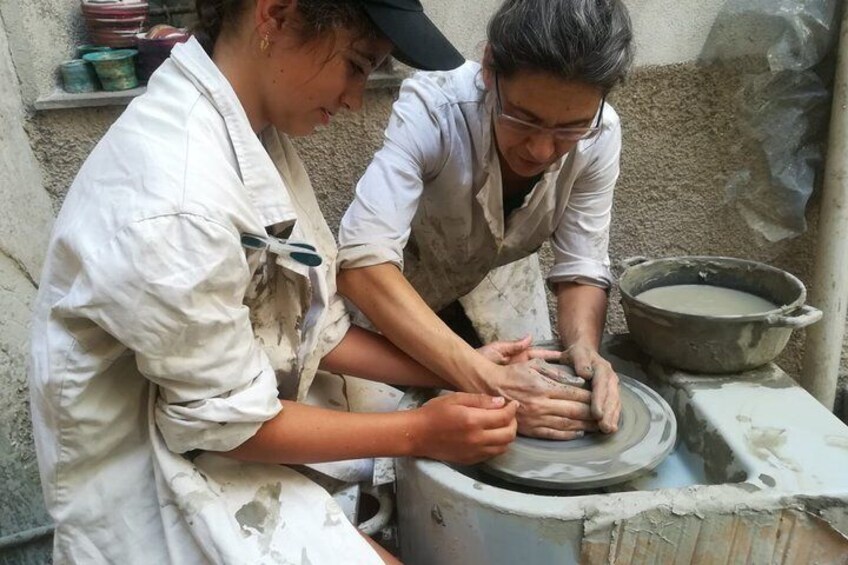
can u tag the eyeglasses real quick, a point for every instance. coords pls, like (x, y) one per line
(560, 135)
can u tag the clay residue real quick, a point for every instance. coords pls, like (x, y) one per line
(436, 515)
(768, 377)
(836, 441)
(252, 516)
(261, 515)
(661, 535)
(719, 462)
(767, 480)
(766, 443)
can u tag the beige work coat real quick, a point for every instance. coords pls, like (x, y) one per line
(144, 352)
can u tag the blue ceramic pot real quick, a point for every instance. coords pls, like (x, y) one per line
(78, 76)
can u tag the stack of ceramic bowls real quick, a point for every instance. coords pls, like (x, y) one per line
(115, 23)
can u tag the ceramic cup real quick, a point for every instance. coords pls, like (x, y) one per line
(78, 76)
(115, 69)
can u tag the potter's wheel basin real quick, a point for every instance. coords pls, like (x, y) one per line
(646, 435)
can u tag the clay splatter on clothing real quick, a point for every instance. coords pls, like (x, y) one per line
(260, 515)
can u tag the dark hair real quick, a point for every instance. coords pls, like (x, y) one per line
(318, 17)
(585, 40)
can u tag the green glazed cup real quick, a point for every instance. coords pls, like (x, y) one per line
(78, 77)
(115, 68)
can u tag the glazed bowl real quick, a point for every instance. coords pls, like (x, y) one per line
(115, 69)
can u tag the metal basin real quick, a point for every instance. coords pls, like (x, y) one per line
(713, 344)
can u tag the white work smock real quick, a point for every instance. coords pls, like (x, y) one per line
(143, 346)
(437, 178)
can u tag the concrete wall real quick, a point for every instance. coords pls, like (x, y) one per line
(42, 34)
(681, 147)
(25, 220)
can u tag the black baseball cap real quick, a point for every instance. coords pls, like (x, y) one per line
(418, 42)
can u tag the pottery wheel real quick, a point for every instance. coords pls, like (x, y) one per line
(646, 435)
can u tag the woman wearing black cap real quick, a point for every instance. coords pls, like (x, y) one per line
(175, 338)
(482, 165)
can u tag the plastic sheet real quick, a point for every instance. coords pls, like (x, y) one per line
(784, 109)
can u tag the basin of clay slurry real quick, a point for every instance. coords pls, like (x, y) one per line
(712, 343)
(732, 454)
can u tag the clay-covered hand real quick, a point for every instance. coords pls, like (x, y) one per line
(517, 351)
(606, 402)
(464, 428)
(552, 404)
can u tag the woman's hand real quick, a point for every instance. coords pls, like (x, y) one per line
(518, 351)
(559, 408)
(464, 428)
(552, 403)
(606, 403)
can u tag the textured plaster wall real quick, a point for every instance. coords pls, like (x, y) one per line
(667, 31)
(42, 34)
(25, 219)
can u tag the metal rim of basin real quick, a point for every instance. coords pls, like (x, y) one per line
(713, 344)
(630, 291)
(647, 434)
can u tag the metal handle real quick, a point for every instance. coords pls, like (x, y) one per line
(632, 262)
(803, 317)
(384, 514)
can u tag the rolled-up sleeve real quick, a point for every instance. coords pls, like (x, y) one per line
(377, 225)
(581, 240)
(171, 289)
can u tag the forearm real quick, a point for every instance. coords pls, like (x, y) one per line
(581, 314)
(371, 356)
(305, 434)
(398, 311)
